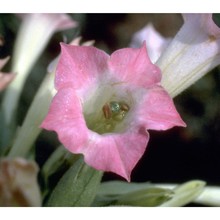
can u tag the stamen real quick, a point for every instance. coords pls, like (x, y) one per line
(112, 114)
(115, 110)
(107, 111)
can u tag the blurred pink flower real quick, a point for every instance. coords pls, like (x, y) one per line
(155, 42)
(105, 105)
(5, 79)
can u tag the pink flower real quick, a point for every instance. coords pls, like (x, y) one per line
(5, 79)
(105, 104)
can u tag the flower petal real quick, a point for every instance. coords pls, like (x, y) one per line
(65, 116)
(118, 153)
(80, 66)
(157, 110)
(155, 42)
(205, 22)
(4, 61)
(134, 66)
(193, 52)
(58, 21)
(5, 79)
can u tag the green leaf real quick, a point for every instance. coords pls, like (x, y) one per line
(77, 187)
(56, 160)
(57, 164)
(7, 132)
(185, 193)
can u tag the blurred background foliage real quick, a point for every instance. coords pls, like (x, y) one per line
(176, 155)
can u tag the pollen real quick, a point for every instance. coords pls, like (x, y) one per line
(212, 38)
(115, 107)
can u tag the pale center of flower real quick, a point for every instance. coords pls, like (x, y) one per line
(108, 107)
(106, 119)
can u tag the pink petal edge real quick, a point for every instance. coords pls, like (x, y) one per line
(66, 118)
(158, 111)
(117, 153)
(134, 66)
(79, 66)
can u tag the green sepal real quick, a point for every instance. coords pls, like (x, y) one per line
(117, 193)
(185, 193)
(149, 197)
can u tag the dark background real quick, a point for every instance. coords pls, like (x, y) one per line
(176, 155)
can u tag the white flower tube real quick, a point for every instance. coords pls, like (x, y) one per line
(33, 35)
(193, 52)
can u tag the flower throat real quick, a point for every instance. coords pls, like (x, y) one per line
(111, 114)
